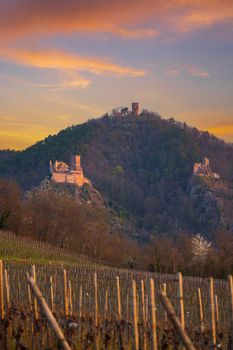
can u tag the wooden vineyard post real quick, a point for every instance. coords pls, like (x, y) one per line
(96, 311)
(153, 314)
(19, 292)
(147, 307)
(176, 322)
(200, 310)
(135, 316)
(127, 306)
(96, 299)
(230, 279)
(2, 312)
(66, 309)
(181, 299)
(165, 312)
(51, 293)
(143, 302)
(35, 301)
(70, 298)
(48, 314)
(216, 309)
(138, 305)
(213, 326)
(80, 301)
(118, 298)
(106, 304)
(7, 290)
(29, 296)
(143, 314)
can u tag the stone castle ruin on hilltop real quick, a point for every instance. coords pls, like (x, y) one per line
(125, 112)
(72, 174)
(204, 169)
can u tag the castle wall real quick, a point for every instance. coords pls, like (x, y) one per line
(58, 177)
(204, 169)
(65, 174)
(79, 180)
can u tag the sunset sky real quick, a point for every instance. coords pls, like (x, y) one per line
(65, 61)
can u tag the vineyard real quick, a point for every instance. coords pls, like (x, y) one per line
(98, 307)
(16, 248)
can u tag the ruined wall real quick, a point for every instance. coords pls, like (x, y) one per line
(66, 174)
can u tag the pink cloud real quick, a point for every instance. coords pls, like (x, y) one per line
(197, 72)
(194, 71)
(46, 17)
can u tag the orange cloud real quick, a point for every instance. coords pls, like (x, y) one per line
(68, 62)
(26, 17)
(136, 34)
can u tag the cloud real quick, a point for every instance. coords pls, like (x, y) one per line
(68, 62)
(194, 71)
(136, 34)
(62, 80)
(173, 72)
(197, 72)
(68, 79)
(58, 16)
(48, 17)
(205, 14)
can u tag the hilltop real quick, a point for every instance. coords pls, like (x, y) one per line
(143, 167)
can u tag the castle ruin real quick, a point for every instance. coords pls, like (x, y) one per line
(72, 174)
(204, 169)
(125, 112)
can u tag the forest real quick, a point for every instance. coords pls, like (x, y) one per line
(143, 168)
(85, 231)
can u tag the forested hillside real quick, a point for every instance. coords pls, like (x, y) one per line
(143, 168)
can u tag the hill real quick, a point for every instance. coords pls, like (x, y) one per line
(143, 168)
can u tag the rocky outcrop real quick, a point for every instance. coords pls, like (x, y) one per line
(87, 195)
(212, 204)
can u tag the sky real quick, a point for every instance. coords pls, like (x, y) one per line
(63, 62)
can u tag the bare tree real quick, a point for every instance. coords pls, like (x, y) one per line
(200, 249)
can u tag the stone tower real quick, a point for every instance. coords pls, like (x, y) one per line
(135, 108)
(76, 162)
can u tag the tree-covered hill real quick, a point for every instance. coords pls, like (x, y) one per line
(141, 165)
